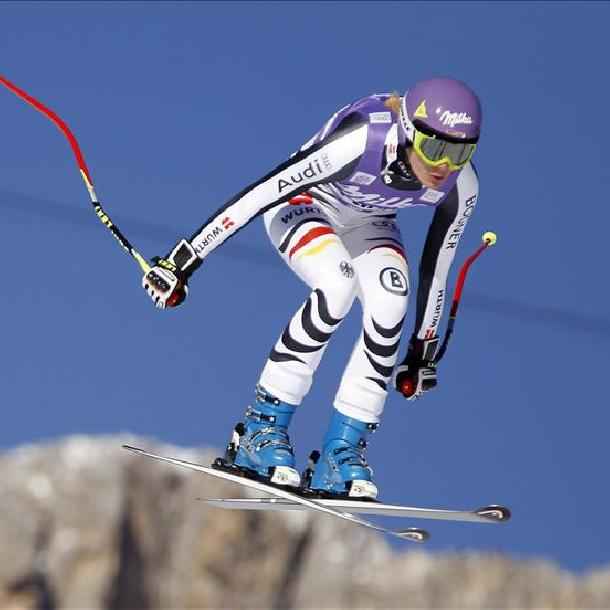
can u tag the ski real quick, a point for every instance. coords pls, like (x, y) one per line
(413, 534)
(488, 514)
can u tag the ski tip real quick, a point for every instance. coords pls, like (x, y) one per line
(132, 449)
(495, 512)
(414, 534)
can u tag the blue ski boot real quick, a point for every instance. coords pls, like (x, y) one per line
(341, 470)
(260, 447)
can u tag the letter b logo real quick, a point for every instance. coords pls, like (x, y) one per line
(394, 281)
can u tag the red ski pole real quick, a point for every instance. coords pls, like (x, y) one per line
(489, 239)
(82, 166)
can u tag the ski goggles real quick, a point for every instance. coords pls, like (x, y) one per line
(437, 151)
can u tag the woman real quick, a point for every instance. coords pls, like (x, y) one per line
(330, 211)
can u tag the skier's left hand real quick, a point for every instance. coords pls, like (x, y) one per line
(417, 373)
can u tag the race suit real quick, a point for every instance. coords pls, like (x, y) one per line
(330, 211)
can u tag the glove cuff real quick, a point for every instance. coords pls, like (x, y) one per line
(184, 258)
(423, 350)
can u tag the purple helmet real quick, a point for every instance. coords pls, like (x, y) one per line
(441, 106)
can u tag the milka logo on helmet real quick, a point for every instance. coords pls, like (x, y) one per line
(451, 119)
(313, 169)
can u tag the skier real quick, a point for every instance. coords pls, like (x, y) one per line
(330, 212)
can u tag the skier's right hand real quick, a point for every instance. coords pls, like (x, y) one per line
(165, 284)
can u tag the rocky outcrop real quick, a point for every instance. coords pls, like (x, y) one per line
(88, 525)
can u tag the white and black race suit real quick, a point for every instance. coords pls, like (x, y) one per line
(330, 211)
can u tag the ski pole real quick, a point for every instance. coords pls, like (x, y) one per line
(489, 239)
(84, 170)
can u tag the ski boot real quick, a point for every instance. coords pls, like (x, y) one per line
(260, 447)
(341, 470)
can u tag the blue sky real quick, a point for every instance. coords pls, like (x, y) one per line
(178, 106)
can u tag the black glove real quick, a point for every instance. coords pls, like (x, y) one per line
(165, 284)
(417, 373)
